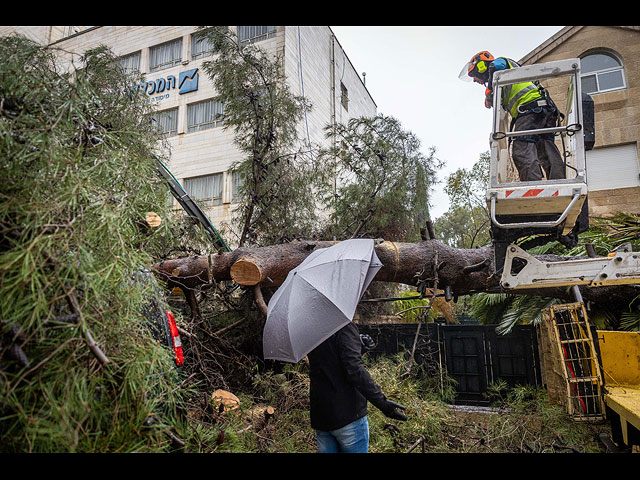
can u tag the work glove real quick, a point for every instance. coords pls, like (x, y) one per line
(389, 409)
(488, 98)
(367, 342)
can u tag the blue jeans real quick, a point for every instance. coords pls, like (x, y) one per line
(352, 438)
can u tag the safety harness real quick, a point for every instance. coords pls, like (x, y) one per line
(536, 106)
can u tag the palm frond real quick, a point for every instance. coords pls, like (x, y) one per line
(524, 310)
(630, 321)
(488, 308)
(602, 318)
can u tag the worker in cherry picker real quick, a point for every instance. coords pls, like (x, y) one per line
(530, 108)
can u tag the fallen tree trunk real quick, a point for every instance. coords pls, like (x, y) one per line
(462, 271)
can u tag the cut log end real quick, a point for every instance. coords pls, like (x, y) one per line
(246, 272)
(153, 219)
(268, 412)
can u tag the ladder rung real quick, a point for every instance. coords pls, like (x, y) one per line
(577, 340)
(583, 379)
(570, 323)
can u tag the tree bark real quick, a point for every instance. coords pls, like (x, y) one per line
(464, 271)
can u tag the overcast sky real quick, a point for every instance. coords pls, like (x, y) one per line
(412, 75)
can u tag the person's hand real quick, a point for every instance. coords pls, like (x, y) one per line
(488, 98)
(391, 411)
(367, 342)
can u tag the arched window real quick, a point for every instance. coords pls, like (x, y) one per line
(601, 72)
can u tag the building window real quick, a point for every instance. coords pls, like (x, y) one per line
(203, 115)
(207, 190)
(167, 121)
(344, 96)
(165, 55)
(236, 183)
(200, 46)
(601, 72)
(130, 63)
(255, 33)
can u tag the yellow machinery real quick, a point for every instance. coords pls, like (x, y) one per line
(620, 354)
(593, 375)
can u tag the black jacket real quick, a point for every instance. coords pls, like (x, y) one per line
(340, 384)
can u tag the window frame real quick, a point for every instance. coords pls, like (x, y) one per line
(236, 185)
(597, 73)
(256, 38)
(216, 122)
(169, 111)
(344, 96)
(123, 59)
(171, 63)
(212, 201)
(195, 39)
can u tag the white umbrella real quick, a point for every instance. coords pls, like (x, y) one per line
(318, 298)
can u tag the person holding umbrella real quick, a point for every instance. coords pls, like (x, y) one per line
(340, 387)
(311, 315)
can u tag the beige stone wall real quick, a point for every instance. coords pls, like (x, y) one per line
(617, 113)
(42, 34)
(604, 203)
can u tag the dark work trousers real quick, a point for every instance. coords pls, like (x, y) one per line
(532, 153)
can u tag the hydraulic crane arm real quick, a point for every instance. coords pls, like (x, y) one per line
(190, 206)
(522, 270)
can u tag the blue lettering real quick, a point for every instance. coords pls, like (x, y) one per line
(159, 98)
(188, 83)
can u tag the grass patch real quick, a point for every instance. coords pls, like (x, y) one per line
(521, 419)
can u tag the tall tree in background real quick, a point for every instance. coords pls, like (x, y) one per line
(374, 181)
(466, 223)
(377, 180)
(276, 201)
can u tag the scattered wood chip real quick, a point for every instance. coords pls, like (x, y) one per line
(225, 400)
(153, 219)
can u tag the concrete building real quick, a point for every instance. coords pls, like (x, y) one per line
(610, 73)
(171, 57)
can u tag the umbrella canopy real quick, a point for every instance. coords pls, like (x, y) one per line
(318, 298)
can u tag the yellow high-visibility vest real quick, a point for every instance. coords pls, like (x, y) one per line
(518, 93)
